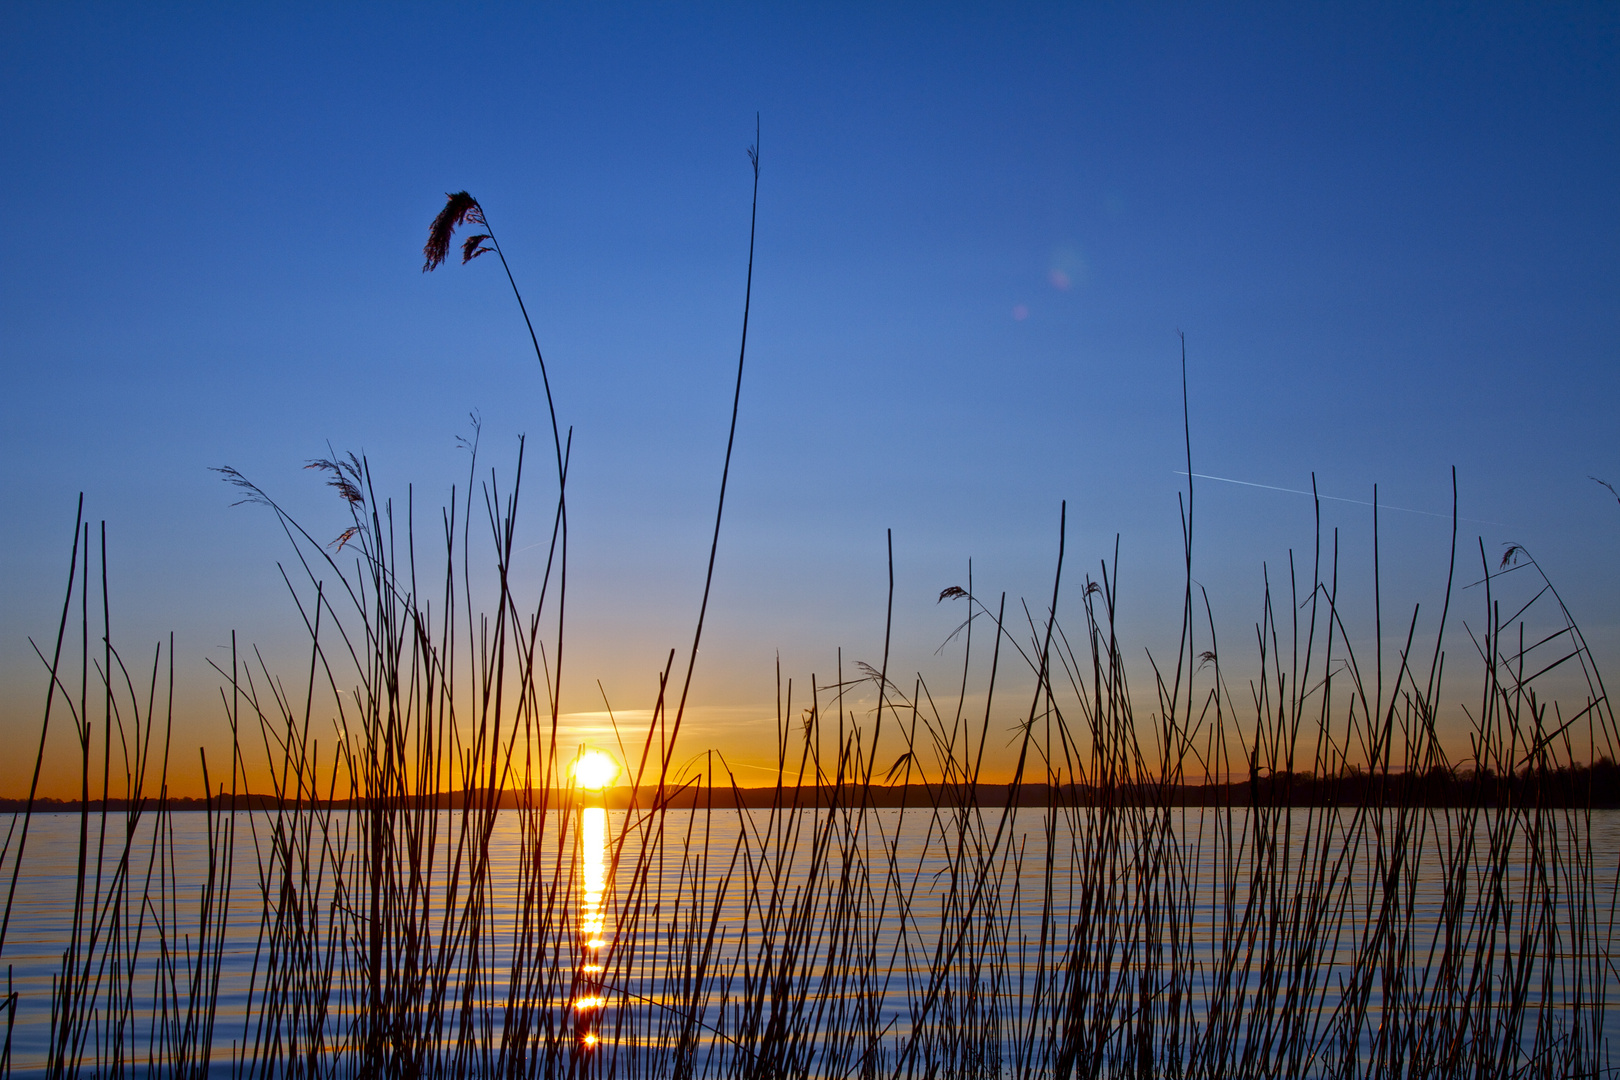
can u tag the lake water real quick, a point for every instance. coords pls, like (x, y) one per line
(892, 936)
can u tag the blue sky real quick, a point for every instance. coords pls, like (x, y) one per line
(1391, 236)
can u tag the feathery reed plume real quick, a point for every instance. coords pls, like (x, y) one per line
(342, 475)
(253, 496)
(459, 208)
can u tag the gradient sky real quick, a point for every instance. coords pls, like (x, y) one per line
(1390, 234)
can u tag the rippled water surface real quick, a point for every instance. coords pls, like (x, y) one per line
(904, 845)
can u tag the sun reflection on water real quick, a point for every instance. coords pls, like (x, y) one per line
(589, 1002)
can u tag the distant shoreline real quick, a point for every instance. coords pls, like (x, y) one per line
(1596, 787)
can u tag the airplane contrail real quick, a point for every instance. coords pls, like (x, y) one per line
(1334, 498)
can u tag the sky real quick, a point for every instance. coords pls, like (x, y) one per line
(1390, 235)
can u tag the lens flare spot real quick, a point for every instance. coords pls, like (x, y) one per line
(1020, 312)
(1067, 268)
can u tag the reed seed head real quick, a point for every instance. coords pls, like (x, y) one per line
(343, 474)
(459, 208)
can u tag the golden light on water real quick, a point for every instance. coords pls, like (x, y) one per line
(593, 844)
(593, 874)
(595, 770)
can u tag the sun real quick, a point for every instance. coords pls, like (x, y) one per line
(595, 770)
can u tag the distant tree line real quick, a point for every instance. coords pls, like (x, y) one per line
(1596, 786)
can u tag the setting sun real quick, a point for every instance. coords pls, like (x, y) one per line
(595, 770)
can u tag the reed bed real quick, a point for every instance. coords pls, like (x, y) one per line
(1179, 881)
